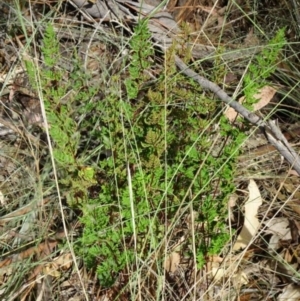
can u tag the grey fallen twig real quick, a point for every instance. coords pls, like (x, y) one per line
(271, 131)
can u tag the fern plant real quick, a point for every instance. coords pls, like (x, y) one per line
(262, 67)
(159, 137)
(65, 133)
(161, 140)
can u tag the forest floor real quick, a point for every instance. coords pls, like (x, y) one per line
(123, 179)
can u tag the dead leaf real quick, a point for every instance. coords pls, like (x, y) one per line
(287, 257)
(251, 39)
(251, 223)
(218, 273)
(64, 261)
(51, 270)
(279, 227)
(290, 293)
(172, 262)
(293, 172)
(264, 96)
(240, 278)
(295, 205)
(2, 199)
(231, 113)
(214, 269)
(229, 78)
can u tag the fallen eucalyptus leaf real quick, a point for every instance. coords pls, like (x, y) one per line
(251, 223)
